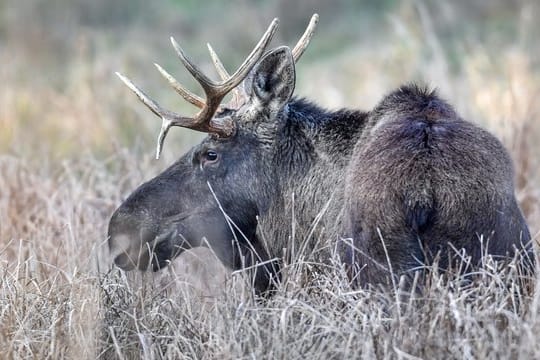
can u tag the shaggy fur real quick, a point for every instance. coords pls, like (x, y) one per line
(424, 183)
(294, 175)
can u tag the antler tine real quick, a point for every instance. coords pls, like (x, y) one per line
(302, 44)
(194, 70)
(182, 91)
(237, 93)
(253, 57)
(168, 117)
(223, 74)
(220, 89)
(151, 104)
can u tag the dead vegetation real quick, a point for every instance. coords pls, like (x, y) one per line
(69, 157)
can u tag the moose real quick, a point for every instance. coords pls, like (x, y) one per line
(391, 189)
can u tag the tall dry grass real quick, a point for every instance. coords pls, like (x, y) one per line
(74, 143)
(60, 299)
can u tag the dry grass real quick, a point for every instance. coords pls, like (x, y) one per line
(62, 115)
(58, 298)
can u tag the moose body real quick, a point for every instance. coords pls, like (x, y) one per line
(429, 185)
(396, 185)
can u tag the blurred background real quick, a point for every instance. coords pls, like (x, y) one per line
(60, 101)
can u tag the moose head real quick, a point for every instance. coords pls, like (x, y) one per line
(213, 194)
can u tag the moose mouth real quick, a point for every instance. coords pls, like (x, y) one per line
(157, 253)
(152, 249)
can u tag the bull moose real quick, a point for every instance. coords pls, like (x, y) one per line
(390, 188)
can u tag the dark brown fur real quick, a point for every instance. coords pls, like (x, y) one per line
(423, 183)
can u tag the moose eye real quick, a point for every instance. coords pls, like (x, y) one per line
(210, 156)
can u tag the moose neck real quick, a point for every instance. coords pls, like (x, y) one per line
(313, 147)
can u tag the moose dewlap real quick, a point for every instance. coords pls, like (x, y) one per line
(392, 189)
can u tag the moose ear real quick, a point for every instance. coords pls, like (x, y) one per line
(273, 79)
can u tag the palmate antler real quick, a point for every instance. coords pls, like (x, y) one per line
(214, 91)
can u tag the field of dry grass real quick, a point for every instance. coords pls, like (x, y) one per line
(74, 143)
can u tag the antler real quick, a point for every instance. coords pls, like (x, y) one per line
(239, 94)
(303, 43)
(214, 91)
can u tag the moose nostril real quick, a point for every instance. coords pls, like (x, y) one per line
(124, 262)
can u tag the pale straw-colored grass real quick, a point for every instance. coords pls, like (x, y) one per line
(75, 143)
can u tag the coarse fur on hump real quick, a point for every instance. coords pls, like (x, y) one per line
(312, 149)
(423, 183)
